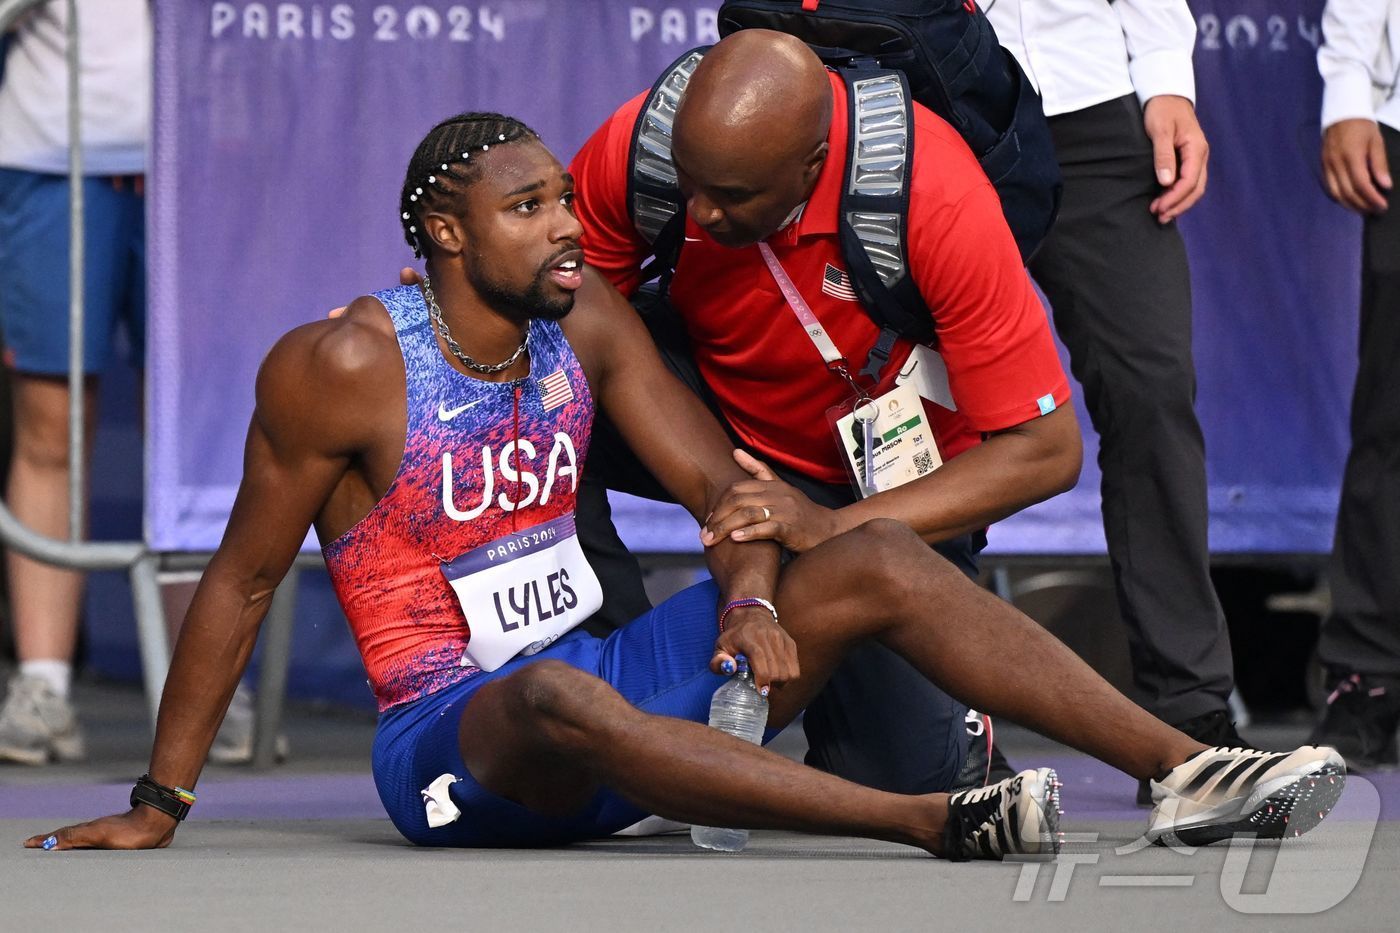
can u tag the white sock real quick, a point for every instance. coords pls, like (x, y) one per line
(57, 674)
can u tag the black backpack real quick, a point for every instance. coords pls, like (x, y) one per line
(941, 53)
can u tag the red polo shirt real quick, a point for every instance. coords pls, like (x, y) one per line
(770, 381)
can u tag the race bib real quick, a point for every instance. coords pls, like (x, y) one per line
(522, 591)
(887, 441)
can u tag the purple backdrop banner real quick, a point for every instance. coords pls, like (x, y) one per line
(282, 131)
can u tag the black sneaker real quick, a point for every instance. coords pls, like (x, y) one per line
(1215, 729)
(1016, 817)
(1360, 721)
(985, 764)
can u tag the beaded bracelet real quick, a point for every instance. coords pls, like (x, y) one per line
(742, 603)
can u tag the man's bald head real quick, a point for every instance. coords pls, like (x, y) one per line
(750, 134)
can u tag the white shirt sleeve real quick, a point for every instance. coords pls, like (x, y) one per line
(1352, 33)
(1160, 35)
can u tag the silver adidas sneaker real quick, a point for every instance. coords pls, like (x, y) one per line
(1225, 792)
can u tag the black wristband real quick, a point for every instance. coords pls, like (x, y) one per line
(172, 801)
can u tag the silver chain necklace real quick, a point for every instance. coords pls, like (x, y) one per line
(486, 369)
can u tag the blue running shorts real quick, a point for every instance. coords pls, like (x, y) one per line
(34, 271)
(660, 663)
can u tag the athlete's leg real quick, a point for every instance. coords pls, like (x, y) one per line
(550, 735)
(882, 582)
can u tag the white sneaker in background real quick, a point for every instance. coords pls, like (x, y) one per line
(234, 743)
(37, 725)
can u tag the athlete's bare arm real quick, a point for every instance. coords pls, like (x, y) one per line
(678, 439)
(329, 397)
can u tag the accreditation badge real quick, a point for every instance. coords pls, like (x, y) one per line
(522, 591)
(885, 440)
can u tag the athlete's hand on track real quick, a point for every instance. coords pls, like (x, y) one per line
(141, 827)
(1354, 166)
(407, 276)
(766, 508)
(771, 652)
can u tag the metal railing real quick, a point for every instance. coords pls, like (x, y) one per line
(144, 566)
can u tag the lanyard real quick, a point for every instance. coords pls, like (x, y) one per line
(864, 408)
(812, 327)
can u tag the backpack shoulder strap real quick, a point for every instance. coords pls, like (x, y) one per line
(653, 198)
(874, 209)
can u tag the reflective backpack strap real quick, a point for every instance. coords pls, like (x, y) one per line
(653, 198)
(875, 202)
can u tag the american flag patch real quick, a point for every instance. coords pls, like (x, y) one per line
(555, 390)
(837, 284)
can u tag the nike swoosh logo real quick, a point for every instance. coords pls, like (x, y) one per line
(447, 414)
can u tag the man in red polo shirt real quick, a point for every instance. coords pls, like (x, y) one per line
(759, 146)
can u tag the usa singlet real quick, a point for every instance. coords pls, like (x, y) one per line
(489, 476)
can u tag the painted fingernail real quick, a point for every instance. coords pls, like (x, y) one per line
(741, 658)
(763, 692)
(51, 842)
(727, 667)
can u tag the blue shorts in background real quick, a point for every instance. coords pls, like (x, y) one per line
(34, 270)
(659, 663)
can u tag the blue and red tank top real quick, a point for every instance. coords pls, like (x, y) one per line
(481, 459)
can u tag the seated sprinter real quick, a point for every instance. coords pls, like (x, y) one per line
(434, 437)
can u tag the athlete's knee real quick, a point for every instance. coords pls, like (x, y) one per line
(550, 688)
(886, 532)
(888, 542)
(895, 562)
(564, 705)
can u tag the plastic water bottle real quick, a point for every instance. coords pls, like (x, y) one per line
(737, 709)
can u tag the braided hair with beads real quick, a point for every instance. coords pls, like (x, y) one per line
(441, 168)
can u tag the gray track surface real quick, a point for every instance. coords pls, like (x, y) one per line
(254, 862)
